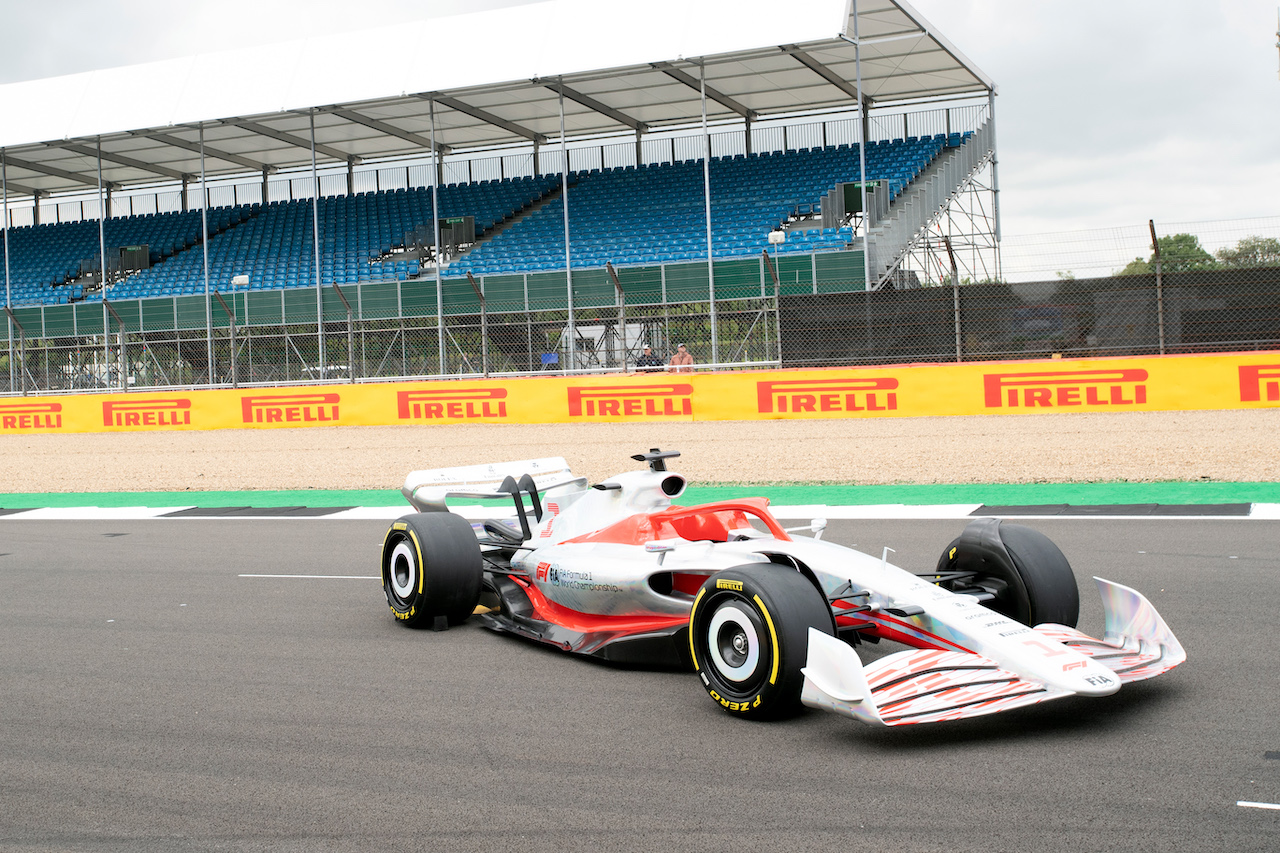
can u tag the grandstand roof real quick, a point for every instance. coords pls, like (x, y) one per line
(494, 77)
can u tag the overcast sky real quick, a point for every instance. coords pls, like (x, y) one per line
(1110, 112)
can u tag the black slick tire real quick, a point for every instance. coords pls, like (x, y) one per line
(1030, 578)
(749, 637)
(431, 568)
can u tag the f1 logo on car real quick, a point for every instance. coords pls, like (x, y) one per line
(875, 394)
(147, 413)
(637, 400)
(451, 403)
(1251, 384)
(290, 408)
(1121, 387)
(31, 416)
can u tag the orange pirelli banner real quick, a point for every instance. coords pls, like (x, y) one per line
(1234, 381)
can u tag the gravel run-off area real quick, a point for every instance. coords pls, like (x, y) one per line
(1132, 446)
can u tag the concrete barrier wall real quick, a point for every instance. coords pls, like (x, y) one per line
(1233, 381)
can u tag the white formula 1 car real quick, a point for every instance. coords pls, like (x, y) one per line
(768, 620)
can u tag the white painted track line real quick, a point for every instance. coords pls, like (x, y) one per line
(94, 513)
(1245, 804)
(374, 513)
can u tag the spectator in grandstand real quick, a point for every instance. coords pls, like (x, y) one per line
(648, 361)
(682, 361)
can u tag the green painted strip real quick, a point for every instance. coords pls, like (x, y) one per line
(992, 494)
(1004, 494)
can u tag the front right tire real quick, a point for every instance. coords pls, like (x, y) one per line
(1027, 576)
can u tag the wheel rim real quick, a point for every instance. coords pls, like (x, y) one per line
(402, 571)
(733, 643)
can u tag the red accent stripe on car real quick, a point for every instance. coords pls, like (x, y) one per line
(575, 620)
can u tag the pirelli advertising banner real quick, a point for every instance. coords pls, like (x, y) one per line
(1236, 381)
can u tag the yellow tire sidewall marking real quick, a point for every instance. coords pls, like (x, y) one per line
(693, 610)
(417, 548)
(773, 638)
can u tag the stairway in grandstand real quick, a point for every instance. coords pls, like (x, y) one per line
(920, 205)
(644, 215)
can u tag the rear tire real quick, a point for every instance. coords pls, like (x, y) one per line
(431, 567)
(749, 636)
(1030, 578)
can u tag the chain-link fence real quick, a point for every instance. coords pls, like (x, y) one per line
(1183, 312)
(1152, 289)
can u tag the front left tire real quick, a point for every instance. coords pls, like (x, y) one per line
(749, 637)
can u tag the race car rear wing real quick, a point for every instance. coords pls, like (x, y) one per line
(429, 491)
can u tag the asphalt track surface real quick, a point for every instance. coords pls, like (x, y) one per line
(154, 699)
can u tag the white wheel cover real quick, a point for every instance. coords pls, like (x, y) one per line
(404, 551)
(733, 614)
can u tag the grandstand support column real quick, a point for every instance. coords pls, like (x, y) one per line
(185, 179)
(351, 176)
(351, 338)
(995, 169)
(435, 226)
(564, 202)
(706, 198)
(622, 311)
(102, 270)
(864, 125)
(4, 225)
(315, 241)
(478, 287)
(747, 135)
(265, 199)
(204, 244)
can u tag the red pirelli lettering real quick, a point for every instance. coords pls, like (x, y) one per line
(451, 402)
(630, 400)
(1120, 387)
(1258, 381)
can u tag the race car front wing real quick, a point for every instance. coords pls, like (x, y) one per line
(926, 685)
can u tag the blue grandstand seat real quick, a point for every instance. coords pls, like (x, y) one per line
(663, 220)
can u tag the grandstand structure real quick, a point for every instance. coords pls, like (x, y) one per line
(438, 220)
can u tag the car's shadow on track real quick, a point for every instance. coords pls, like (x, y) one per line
(1136, 707)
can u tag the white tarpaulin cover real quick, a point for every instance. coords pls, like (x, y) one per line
(493, 74)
